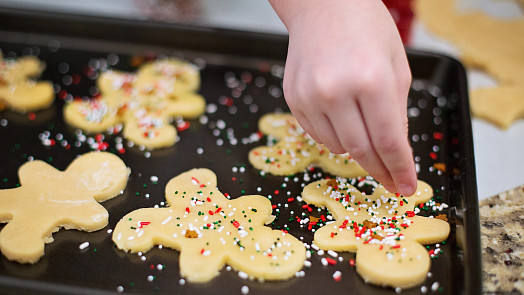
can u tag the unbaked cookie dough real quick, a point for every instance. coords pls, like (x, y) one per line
(295, 150)
(382, 228)
(48, 200)
(144, 102)
(18, 91)
(488, 43)
(210, 231)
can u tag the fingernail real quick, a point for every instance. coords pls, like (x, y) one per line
(406, 189)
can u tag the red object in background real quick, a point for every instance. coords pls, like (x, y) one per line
(403, 15)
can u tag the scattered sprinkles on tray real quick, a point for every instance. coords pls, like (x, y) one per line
(244, 93)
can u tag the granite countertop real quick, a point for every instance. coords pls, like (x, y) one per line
(502, 241)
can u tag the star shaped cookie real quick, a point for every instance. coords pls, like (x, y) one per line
(295, 150)
(383, 229)
(210, 231)
(145, 102)
(49, 199)
(18, 91)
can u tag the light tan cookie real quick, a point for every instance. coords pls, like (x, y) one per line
(381, 228)
(49, 199)
(210, 231)
(18, 91)
(295, 150)
(490, 44)
(185, 75)
(144, 102)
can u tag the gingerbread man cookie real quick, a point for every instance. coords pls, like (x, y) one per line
(17, 90)
(49, 199)
(210, 231)
(144, 102)
(488, 43)
(383, 229)
(296, 150)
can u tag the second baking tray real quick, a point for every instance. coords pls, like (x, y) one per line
(241, 81)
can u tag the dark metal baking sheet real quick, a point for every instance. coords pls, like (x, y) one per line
(241, 78)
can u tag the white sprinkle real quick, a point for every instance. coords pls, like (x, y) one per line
(332, 253)
(120, 289)
(150, 278)
(398, 290)
(154, 178)
(337, 275)
(244, 290)
(167, 219)
(182, 282)
(435, 286)
(324, 261)
(423, 289)
(83, 245)
(242, 275)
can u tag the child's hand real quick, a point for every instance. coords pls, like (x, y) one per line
(347, 80)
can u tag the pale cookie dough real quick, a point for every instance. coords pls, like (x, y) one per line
(488, 43)
(144, 102)
(381, 228)
(210, 231)
(17, 89)
(48, 200)
(295, 150)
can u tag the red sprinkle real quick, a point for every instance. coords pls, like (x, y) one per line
(331, 261)
(142, 223)
(236, 223)
(183, 126)
(352, 262)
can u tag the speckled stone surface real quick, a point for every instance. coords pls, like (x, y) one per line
(502, 239)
